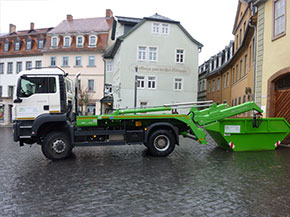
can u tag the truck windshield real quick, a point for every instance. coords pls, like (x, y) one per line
(36, 85)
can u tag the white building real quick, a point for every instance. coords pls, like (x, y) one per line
(19, 50)
(160, 53)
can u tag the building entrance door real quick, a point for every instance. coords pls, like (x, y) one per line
(282, 100)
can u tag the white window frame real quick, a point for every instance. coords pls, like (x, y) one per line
(218, 84)
(141, 79)
(36, 64)
(17, 46)
(2, 68)
(77, 41)
(163, 27)
(28, 63)
(63, 61)
(6, 47)
(143, 52)
(52, 41)
(90, 41)
(10, 68)
(94, 61)
(40, 42)
(89, 89)
(153, 52)
(76, 61)
(151, 82)
(178, 88)
(28, 45)
(65, 40)
(178, 55)
(51, 59)
(155, 28)
(109, 66)
(279, 20)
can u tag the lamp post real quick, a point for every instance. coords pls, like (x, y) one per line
(135, 89)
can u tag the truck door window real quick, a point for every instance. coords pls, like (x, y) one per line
(36, 85)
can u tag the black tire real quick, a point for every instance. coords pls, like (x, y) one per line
(161, 143)
(56, 146)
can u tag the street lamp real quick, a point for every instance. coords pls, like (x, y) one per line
(135, 90)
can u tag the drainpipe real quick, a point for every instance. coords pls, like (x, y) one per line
(254, 55)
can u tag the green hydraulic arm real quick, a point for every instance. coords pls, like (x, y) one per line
(215, 113)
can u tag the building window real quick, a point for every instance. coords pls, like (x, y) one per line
(91, 84)
(237, 72)
(1, 91)
(240, 37)
(67, 40)
(218, 83)
(155, 28)
(246, 60)
(233, 75)
(28, 45)
(65, 60)
(224, 81)
(92, 61)
(151, 82)
(28, 65)
(78, 61)
(241, 68)
(80, 41)
(239, 100)
(279, 18)
(17, 46)
(213, 85)
(38, 64)
(153, 54)
(54, 41)
(244, 98)
(208, 89)
(140, 82)
(1, 68)
(141, 53)
(93, 41)
(18, 67)
(40, 43)
(228, 79)
(165, 29)
(178, 84)
(109, 66)
(52, 61)
(179, 56)
(10, 68)
(10, 91)
(235, 101)
(6, 47)
(250, 55)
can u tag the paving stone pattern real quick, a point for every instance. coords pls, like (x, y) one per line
(195, 180)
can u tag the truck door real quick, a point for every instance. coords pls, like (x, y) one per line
(34, 93)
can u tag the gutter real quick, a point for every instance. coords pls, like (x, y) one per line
(254, 55)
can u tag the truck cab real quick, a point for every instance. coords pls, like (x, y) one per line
(41, 95)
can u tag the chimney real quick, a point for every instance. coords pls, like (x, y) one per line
(109, 13)
(12, 28)
(31, 26)
(69, 17)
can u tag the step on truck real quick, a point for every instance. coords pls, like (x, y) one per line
(45, 112)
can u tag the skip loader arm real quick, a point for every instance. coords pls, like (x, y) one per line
(215, 113)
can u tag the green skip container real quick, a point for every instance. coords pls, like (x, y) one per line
(238, 134)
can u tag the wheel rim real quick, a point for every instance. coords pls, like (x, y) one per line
(161, 143)
(58, 146)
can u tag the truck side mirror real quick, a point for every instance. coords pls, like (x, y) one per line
(18, 100)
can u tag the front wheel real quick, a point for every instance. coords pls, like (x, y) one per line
(56, 146)
(161, 143)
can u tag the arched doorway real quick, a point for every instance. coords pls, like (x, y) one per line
(279, 101)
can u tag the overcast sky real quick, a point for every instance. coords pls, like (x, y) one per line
(208, 21)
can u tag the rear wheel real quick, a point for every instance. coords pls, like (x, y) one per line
(161, 143)
(56, 146)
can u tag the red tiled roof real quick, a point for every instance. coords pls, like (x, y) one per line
(86, 25)
(26, 32)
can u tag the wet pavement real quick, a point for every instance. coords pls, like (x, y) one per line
(195, 180)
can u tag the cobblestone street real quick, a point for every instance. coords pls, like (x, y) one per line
(195, 180)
